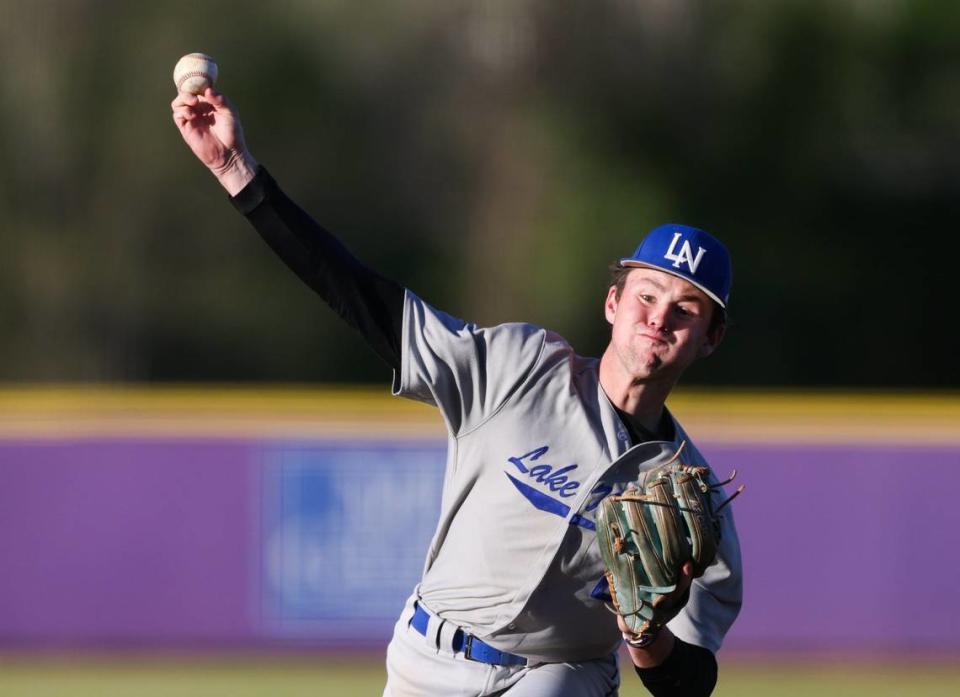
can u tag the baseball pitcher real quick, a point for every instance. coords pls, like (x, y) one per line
(515, 591)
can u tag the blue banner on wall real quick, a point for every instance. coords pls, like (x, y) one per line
(345, 531)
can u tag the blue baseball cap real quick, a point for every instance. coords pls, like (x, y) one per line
(691, 254)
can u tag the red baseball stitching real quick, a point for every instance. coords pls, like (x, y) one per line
(193, 73)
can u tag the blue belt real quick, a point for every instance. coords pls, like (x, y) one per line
(472, 648)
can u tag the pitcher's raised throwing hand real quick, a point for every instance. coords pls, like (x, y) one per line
(211, 127)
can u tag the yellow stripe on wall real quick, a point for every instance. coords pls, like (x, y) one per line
(820, 417)
(305, 412)
(212, 412)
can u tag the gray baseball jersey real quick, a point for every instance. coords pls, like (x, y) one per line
(534, 446)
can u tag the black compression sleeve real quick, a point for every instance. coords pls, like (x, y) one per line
(689, 671)
(365, 300)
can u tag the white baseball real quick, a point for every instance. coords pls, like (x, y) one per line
(194, 73)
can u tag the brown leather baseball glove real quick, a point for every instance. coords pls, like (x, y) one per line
(649, 532)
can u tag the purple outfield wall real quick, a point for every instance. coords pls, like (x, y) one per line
(847, 547)
(107, 542)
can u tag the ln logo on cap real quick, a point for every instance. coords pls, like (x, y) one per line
(685, 255)
(710, 273)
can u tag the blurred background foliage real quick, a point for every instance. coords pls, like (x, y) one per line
(494, 156)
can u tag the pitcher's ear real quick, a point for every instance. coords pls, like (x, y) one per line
(610, 304)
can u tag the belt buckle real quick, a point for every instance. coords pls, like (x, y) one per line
(468, 646)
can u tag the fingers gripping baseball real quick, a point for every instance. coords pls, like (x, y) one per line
(210, 127)
(209, 124)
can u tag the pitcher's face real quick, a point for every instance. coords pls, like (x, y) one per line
(660, 324)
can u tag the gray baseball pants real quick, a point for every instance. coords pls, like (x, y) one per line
(417, 667)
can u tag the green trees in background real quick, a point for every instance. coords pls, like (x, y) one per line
(494, 156)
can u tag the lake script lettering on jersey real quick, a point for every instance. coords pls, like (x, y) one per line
(555, 480)
(559, 481)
